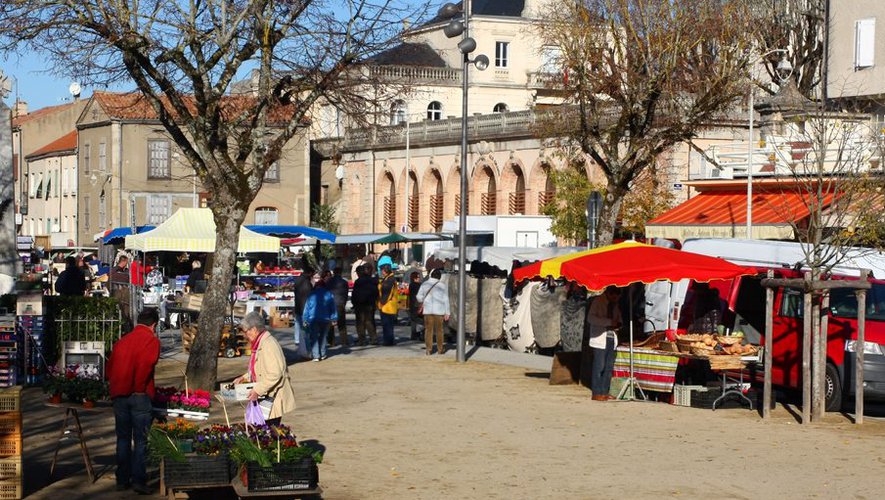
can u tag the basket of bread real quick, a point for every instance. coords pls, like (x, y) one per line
(714, 345)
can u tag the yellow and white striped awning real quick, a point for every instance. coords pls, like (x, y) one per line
(193, 230)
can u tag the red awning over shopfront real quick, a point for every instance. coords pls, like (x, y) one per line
(723, 214)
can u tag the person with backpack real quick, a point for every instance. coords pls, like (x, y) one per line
(388, 304)
(434, 298)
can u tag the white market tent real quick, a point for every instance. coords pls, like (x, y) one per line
(503, 257)
(193, 230)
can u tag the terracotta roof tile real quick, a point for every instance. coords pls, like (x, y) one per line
(63, 144)
(134, 106)
(18, 120)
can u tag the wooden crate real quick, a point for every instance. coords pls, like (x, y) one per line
(11, 489)
(10, 468)
(10, 423)
(11, 399)
(10, 445)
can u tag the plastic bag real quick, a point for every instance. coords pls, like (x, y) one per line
(254, 415)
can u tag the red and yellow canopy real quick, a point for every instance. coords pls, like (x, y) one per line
(631, 262)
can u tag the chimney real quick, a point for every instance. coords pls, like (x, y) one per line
(21, 108)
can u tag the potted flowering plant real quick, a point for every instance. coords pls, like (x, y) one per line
(209, 465)
(193, 404)
(54, 384)
(94, 389)
(272, 459)
(83, 383)
(171, 440)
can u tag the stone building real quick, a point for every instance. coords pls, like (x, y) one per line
(130, 172)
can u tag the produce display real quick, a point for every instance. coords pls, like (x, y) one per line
(708, 344)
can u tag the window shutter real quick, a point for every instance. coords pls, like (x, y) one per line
(864, 40)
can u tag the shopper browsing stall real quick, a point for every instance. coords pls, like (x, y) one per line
(303, 288)
(319, 313)
(603, 319)
(434, 297)
(388, 304)
(267, 369)
(131, 377)
(364, 298)
(71, 282)
(339, 287)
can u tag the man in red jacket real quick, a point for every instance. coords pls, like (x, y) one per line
(131, 377)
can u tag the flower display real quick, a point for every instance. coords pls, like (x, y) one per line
(173, 398)
(77, 382)
(178, 429)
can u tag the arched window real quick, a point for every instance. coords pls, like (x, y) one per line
(266, 216)
(397, 112)
(500, 108)
(434, 111)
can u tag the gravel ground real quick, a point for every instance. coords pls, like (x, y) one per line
(399, 424)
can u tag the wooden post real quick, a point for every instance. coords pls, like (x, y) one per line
(806, 354)
(816, 414)
(766, 362)
(824, 338)
(859, 349)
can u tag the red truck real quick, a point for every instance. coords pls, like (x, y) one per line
(743, 309)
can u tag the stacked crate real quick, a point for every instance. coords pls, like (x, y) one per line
(32, 331)
(11, 484)
(9, 350)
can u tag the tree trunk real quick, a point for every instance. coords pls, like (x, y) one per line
(203, 361)
(608, 215)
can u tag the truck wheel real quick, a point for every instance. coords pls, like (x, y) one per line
(833, 388)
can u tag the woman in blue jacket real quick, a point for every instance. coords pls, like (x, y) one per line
(319, 312)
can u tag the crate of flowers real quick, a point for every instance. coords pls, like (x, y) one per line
(189, 404)
(183, 464)
(271, 459)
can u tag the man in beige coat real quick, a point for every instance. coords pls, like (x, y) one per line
(267, 368)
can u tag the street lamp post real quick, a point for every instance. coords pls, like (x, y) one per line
(783, 68)
(467, 45)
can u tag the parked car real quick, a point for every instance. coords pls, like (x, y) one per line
(743, 309)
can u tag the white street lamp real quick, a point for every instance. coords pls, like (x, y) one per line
(784, 71)
(466, 46)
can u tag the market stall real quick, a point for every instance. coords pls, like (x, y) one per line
(629, 262)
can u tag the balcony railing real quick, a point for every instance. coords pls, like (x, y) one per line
(415, 73)
(517, 203)
(494, 126)
(545, 80)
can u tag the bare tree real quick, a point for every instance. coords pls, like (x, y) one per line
(796, 26)
(828, 161)
(644, 77)
(183, 57)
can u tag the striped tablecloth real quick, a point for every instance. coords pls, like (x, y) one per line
(654, 370)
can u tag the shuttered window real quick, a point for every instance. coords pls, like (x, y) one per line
(864, 43)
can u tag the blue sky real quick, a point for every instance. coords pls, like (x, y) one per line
(32, 84)
(35, 86)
